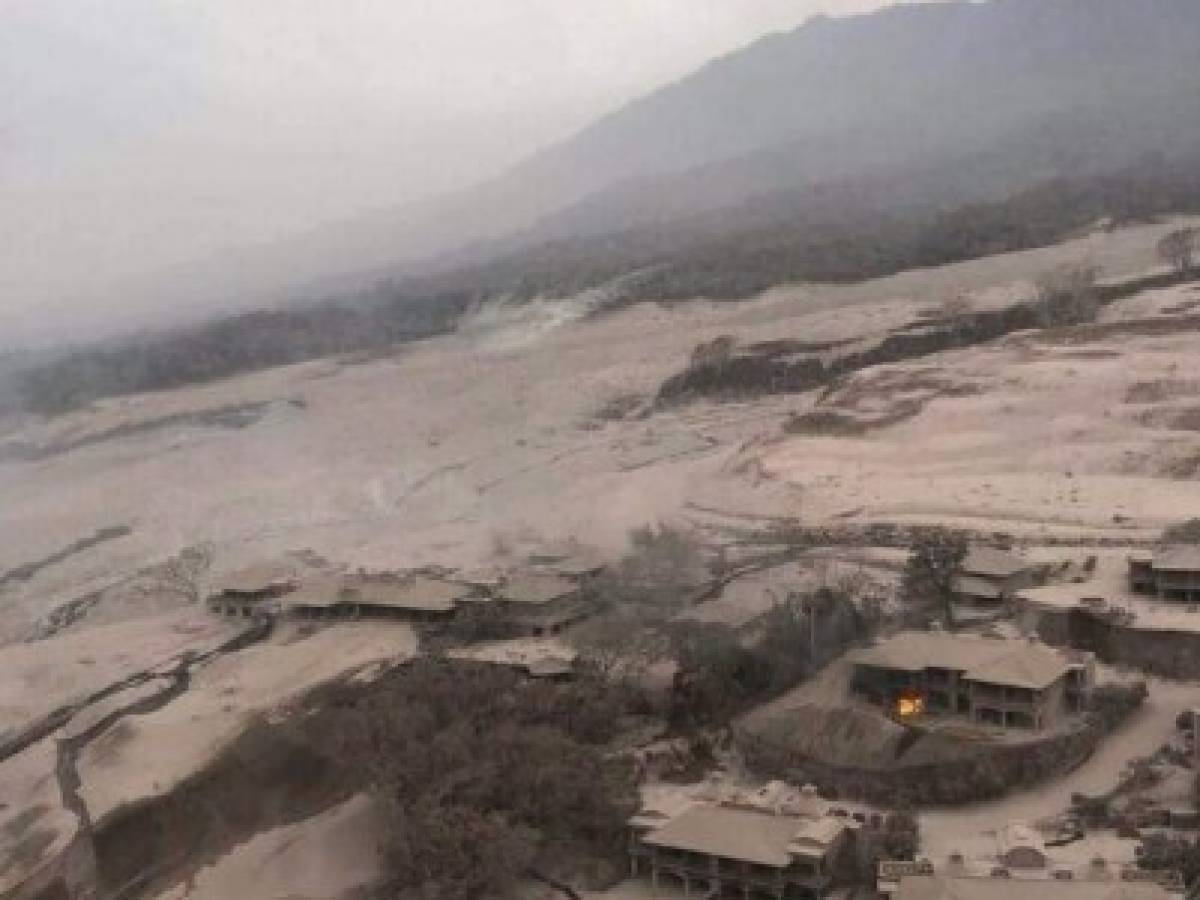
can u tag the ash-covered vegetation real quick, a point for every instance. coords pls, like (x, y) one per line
(841, 233)
(486, 778)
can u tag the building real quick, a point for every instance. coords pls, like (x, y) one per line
(1095, 881)
(990, 681)
(414, 597)
(1005, 887)
(1170, 574)
(253, 592)
(741, 849)
(538, 603)
(989, 576)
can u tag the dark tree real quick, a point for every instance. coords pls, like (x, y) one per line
(1179, 249)
(1067, 295)
(928, 580)
(1184, 533)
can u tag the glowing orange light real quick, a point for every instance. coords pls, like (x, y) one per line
(908, 705)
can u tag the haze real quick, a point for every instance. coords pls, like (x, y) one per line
(145, 133)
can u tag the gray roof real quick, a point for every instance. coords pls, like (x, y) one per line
(992, 562)
(1014, 663)
(752, 836)
(944, 887)
(1179, 558)
(419, 593)
(535, 588)
(538, 657)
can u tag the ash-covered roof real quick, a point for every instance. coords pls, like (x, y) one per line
(1014, 663)
(535, 588)
(991, 562)
(538, 657)
(751, 836)
(1179, 558)
(419, 593)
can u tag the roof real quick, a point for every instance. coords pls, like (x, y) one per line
(1034, 666)
(974, 586)
(568, 558)
(1014, 663)
(259, 577)
(417, 592)
(1179, 558)
(319, 591)
(538, 657)
(816, 836)
(943, 887)
(535, 588)
(761, 838)
(992, 562)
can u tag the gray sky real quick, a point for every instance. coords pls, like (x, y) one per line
(135, 134)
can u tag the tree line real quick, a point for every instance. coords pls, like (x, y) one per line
(829, 234)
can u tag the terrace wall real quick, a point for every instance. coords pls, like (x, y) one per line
(942, 769)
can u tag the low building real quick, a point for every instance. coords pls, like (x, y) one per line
(918, 881)
(540, 604)
(739, 849)
(988, 576)
(1170, 574)
(414, 597)
(253, 592)
(990, 681)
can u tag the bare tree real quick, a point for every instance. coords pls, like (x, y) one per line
(1179, 249)
(1067, 295)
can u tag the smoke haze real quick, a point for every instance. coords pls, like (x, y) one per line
(142, 134)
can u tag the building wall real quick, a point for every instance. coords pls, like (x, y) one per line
(1052, 706)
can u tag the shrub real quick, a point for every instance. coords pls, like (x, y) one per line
(1112, 704)
(1067, 295)
(1184, 533)
(1179, 249)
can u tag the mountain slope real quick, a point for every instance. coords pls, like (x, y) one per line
(1042, 87)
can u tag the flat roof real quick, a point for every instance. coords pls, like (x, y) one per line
(1179, 558)
(420, 593)
(1011, 662)
(539, 657)
(992, 562)
(751, 836)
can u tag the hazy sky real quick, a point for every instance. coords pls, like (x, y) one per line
(139, 133)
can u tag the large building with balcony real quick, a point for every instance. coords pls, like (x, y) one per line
(1170, 574)
(784, 851)
(989, 681)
